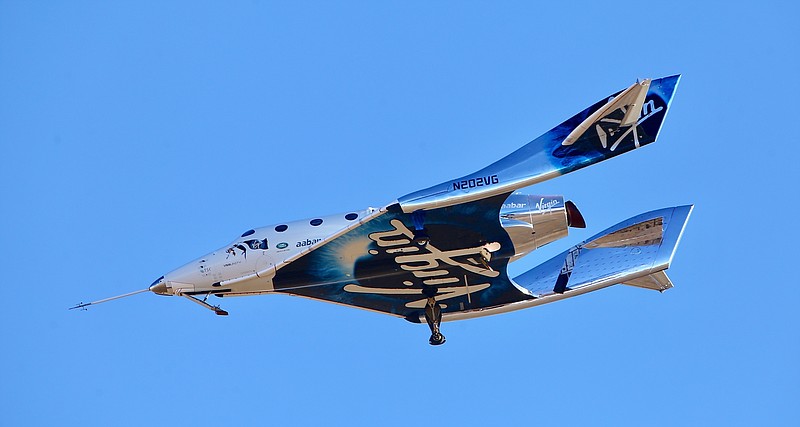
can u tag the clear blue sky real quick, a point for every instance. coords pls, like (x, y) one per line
(138, 135)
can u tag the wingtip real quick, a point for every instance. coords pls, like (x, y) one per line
(666, 86)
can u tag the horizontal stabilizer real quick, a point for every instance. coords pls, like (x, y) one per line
(657, 281)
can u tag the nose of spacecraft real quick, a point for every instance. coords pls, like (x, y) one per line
(178, 281)
(159, 287)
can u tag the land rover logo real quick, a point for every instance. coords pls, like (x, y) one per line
(282, 245)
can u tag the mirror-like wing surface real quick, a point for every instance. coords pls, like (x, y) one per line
(604, 130)
(634, 252)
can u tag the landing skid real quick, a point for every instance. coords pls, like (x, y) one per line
(215, 308)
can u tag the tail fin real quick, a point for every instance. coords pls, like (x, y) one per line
(625, 121)
(630, 101)
(622, 122)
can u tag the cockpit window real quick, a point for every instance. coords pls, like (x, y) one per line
(257, 244)
(245, 245)
(248, 232)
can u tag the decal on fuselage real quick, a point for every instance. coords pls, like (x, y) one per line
(566, 269)
(307, 242)
(426, 265)
(544, 205)
(609, 127)
(480, 181)
(379, 266)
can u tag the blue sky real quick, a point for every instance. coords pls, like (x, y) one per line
(138, 135)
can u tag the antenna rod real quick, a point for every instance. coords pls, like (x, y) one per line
(86, 304)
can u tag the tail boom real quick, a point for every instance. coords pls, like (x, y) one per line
(615, 125)
(635, 252)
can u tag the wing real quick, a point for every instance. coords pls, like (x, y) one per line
(376, 265)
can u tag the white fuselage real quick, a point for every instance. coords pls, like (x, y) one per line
(247, 265)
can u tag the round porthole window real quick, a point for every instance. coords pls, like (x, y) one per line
(248, 232)
(315, 222)
(281, 228)
(351, 216)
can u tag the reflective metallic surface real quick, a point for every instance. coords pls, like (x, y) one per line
(552, 155)
(442, 253)
(533, 221)
(633, 252)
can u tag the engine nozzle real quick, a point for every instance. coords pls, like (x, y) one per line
(574, 217)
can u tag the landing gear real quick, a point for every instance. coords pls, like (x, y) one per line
(486, 254)
(433, 315)
(202, 302)
(437, 339)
